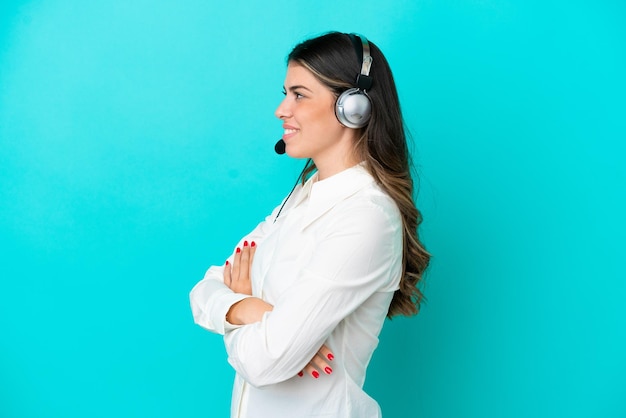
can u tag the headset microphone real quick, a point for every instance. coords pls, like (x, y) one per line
(280, 147)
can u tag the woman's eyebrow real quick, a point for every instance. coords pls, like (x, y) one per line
(296, 87)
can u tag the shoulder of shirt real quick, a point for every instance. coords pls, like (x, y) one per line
(370, 196)
(374, 197)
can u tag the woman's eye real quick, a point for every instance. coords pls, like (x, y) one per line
(295, 93)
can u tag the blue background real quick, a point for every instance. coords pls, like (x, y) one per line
(136, 147)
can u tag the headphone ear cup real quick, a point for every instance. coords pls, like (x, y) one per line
(353, 108)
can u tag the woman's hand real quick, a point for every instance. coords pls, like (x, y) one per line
(248, 311)
(319, 363)
(237, 276)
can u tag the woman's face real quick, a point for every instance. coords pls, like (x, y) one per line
(311, 129)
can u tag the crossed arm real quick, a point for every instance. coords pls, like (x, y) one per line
(250, 310)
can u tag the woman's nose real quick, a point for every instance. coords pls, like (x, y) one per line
(283, 111)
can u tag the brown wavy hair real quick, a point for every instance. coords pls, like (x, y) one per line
(382, 144)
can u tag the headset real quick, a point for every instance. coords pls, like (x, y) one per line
(354, 107)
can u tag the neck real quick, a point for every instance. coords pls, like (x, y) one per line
(337, 159)
(325, 170)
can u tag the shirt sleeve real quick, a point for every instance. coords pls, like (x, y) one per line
(359, 253)
(211, 299)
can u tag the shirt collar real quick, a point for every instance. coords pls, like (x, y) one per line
(325, 194)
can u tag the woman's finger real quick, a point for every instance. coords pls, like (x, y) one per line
(244, 268)
(236, 265)
(320, 363)
(311, 371)
(252, 251)
(227, 275)
(326, 353)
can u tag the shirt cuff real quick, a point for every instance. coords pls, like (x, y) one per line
(221, 308)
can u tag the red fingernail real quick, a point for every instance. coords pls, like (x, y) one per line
(226, 262)
(301, 374)
(238, 250)
(253, 244)
(245, 243)
(328, 370)
(330, 356)
(315, 374)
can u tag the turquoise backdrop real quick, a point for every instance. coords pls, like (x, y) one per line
(136, 147)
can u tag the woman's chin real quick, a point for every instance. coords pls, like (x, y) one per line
(294, 153)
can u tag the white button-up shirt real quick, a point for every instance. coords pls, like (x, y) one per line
(329, 265)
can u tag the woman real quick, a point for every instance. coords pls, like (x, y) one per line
(308, 290)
